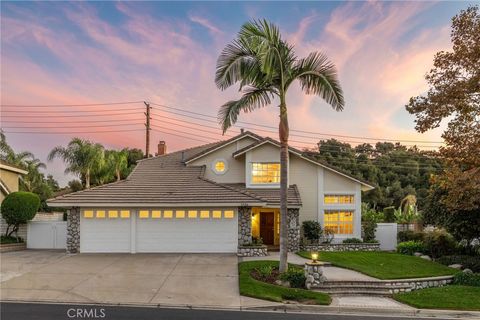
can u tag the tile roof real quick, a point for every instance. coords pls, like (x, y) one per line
(270, 196)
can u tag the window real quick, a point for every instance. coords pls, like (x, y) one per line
(228, 214)
(88, 214)
(216, 214)
(338, 199)
(180, 214)
(192, 214)
(101, 214)
(168, 214)
(265, 173)
(155, 214)
(125, 214)
(340, 222)
(143, 214)
(112, 213)
(220, 166)
(204, 214)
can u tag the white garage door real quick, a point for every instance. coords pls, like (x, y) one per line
(187, 233)
(104, 234)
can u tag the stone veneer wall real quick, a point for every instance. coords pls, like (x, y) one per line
(314, 275)
(252, 251)
(342, 247)
(416, 284)
(244, 225)
(293, 230)
(73, 230)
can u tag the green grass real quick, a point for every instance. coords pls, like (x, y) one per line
(261, 290)
(384, 265)
(448, 297)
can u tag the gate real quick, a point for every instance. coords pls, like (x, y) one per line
(47, 235)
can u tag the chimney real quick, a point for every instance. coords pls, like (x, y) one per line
(242, 130)
(162, 148)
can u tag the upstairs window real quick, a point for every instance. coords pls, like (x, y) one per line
(220, 166)
(339, 199)
(265, 173)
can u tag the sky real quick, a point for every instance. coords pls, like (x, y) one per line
(56, 55)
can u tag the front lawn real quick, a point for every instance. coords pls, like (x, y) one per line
(448, 297)
(261, 290)
(384, 265)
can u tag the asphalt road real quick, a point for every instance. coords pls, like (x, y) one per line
(29, 311)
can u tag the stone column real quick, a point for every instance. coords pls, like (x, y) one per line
(73, 230)
(314, 275)
(293, 230)
(244, 225)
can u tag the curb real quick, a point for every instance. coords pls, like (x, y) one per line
(289, 308)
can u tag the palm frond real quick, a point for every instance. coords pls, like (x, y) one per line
(317, 75)
(253, 98)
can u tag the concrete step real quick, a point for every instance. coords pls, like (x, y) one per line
(361, 287)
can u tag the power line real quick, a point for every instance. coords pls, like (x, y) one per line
(69, 105)
(69, 132)
(69, 111)
(80, 121)
(77, 127)
(75, 115)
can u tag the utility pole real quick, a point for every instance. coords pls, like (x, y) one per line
(147, 132)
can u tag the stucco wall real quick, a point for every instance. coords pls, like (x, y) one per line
(10, 179)
(236, 167)
(304, 175)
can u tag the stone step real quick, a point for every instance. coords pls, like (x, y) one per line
(353, 283)
(361, 286)
(357, 292)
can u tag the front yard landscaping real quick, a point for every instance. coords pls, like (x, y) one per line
(251, 287)
(384, 265)
(448, 297)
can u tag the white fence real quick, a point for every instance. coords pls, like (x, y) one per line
(47, 235)
(386, 234)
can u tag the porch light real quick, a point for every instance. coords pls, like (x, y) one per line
(314, 257)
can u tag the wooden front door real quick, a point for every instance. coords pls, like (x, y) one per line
(267, 223)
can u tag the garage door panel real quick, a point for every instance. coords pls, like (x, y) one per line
(186, 235)
(104, 235)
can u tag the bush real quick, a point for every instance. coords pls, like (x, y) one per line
(389, 214)
(467, 279)
(312, 230)
(439, 243)
(369, 228)
(265, 272)
(410, 235)
(18, 208)
(352, 240)
(295, 276)
(469, 262)
(410, 247)
(9, 239)
(328, 235)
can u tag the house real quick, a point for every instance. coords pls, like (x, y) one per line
(211, 198)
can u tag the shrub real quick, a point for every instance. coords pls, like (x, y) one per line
(410, 247)
(469, 262)
(439, 243)
(410, 235)
(9, 239)
(328, 235)
(295, 276)
(389, 214)
(352, 240)
(17, 208)
(257, 241)
(369, 228)
(467, 279)
(312, 230)
(265, 271)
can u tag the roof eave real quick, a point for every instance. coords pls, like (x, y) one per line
(153, 205)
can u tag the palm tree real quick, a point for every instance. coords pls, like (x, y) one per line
(265, 66)
(119, 161)
(81, 156)
(34, 178)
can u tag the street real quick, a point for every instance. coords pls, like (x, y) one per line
(31, 311)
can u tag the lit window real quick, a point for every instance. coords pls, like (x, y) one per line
(143, 214)
(220, 166)
(180, 214)
(338, 199)
(204, 214)
(101, 214)
(228, 214)
(265, 173)
(125, 214)
(168, 214)
(216, 214)
(156, 214)
(112, 213)
(192, 213)
(340, 222)
(88, 214)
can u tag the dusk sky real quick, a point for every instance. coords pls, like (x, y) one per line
(58, 53)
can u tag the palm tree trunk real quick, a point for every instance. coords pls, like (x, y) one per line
(283, 133)
(87, 179)
(118, 174)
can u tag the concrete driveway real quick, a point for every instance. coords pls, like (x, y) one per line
(150, 279)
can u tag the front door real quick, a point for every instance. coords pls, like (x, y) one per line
(267, 222)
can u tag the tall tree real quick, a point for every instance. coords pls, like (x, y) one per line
(119, 162)
(265, 65)
(81, 156)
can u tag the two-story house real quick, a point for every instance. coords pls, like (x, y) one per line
(212, 198)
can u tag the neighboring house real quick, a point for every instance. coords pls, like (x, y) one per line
(9, 179)
(211, 198)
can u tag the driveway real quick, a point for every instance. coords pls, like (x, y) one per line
(151, 279)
